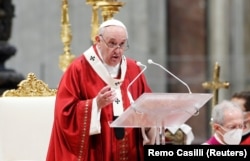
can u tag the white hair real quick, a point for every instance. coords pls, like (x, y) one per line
(218, 110)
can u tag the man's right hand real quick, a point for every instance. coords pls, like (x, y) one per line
(105, 97)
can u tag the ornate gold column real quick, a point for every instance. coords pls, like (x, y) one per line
(108, 9)
(66, 58)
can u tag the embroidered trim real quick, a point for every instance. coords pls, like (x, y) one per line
(84, 130)
(124, 148)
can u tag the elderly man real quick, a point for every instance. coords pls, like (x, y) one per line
(227, 123)
(93, 92)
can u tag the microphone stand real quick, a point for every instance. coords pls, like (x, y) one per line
(160, 130)
(129, 94)
(185, 84)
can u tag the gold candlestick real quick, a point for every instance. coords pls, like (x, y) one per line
(66, 58)
(108, 8)
(94, 19)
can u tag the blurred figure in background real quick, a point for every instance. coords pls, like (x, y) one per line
(243, 99)
(227, 124)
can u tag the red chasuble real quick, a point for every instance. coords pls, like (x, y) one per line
(70, 139)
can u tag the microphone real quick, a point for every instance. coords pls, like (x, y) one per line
(185, 84)
(129, 94)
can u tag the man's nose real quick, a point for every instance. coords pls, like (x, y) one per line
(118, 47)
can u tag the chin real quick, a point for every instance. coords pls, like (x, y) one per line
(114, 63)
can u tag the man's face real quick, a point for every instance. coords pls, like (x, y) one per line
(241, 102)
(233, 119)
(111, 44)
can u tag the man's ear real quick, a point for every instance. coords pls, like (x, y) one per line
(216, 126)
(97, 38)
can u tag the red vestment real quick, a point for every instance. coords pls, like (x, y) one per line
(245, 139)
(70, 139)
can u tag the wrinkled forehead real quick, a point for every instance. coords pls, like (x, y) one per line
(115, 32)
(233, 115)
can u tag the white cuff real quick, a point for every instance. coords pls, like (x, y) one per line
(95, 125)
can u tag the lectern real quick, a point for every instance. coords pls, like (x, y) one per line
(162, 110)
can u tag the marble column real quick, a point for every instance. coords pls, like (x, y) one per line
(187, 42)
(218, 40)
(247, 42)
(237, 75)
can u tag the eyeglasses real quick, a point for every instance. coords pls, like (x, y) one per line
(231, 127)
(124, 46)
